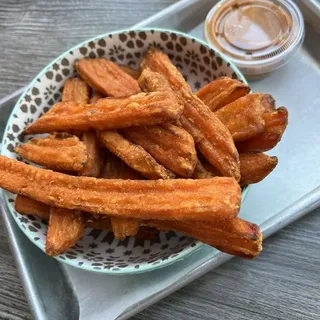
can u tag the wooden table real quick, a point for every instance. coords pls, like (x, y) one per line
(283, 283)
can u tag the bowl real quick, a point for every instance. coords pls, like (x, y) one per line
(98, 251)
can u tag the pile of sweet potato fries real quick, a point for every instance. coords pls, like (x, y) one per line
(137, 151)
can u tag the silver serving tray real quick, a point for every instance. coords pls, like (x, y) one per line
(56, 291)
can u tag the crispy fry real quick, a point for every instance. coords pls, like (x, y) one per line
(95, 97)
(95, 161)
(117, 169)
(275, 125)
(180, 199)
(169, 144)
(134, 156)
(135, 74)
(268, 103)
(221, 92)
(211, 137)
(110, 113)
(102, 222)
(97, 221)
(200, 172)
(106, 77)
(76, 90)
(59, 151)
(28, 206)
(65, 228)
(124, 227)
(158, 62)
(245, 116)
(59, 239)
(151, 81)
(255, 167)
(213, 171)
(235, 236)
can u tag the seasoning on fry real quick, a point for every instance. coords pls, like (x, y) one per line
(221, 92)
(180, 199)
(211, 137)
(109, 113)
(169, 144)
(134, 156)
(58, 151)
(275, 125)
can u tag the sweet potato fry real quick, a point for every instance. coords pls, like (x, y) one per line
(130, 71)
(110, 113)
(245, 117)
(169, 144)
(158, 62)
(201, 172)
(115, 168)
(255, 167)
(221, 92)
(28, 206)
(275, 125)
(102, 222)
(180, 199)
(124, 227)
(60, 240)
(134, 156)
(211, 136)
(65, 228)
(235, 236)
(97, 221)
(95, 161)
(58, 151)
(76, 90)
(151, 81)
(95, 97)
(106, 77)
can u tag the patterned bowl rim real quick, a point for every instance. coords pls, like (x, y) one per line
(129, 270)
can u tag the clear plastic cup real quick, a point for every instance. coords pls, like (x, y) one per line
(259, 36)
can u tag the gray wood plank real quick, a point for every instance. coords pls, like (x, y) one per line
(283, 283)
(32, 33)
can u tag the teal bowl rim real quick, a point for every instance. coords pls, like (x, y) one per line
(128, 270)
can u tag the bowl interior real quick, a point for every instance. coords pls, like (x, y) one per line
(98, 250)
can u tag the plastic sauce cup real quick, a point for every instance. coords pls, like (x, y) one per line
(259, 36)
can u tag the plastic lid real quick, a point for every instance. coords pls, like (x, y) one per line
(259, 36)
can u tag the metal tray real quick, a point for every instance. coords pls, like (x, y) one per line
(293, 189)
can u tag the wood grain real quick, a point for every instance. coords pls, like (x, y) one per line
(32, 33)
(281, 284)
